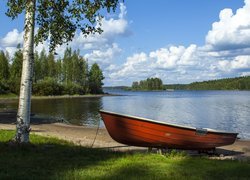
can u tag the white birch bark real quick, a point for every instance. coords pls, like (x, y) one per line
(23, 115)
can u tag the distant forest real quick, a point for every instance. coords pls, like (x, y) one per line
(68, 75)
(238, 83)
(147, 85)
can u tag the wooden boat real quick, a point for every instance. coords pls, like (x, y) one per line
(136, 131)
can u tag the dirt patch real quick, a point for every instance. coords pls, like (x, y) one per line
(80, 135)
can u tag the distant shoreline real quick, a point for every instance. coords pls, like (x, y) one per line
(171, 90)
(14, 98)
(237, 83)
(72, 96)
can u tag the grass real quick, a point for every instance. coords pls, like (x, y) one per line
(7, 96)
(50, 158)
(11, 96)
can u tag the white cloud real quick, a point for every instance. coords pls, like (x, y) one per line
(12, 38)
(10, 41)
(241, 62)
(173, 56)
(223, 65)
(42, 46)
(189, 57)
(104, 56)
(136, 66)
(102, 48)
(238, 63)
(165, 63)
(179, 65)
(112, 29)
(245, 74)
(112, 67)
(167, 58)
(123, 11)
(11, 50)
(232, 31)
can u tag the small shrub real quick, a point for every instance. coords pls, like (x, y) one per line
(48, 86)
(73, 89)
(4, 89)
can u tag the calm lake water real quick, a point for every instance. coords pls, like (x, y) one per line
(222, 110)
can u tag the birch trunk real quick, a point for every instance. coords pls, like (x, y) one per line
(23, 115)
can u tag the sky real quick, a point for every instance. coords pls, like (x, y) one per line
(177, 41)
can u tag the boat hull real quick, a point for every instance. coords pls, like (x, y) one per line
(136, 131)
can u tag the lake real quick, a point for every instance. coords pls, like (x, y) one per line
(221, 110)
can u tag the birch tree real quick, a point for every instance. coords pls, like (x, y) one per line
(57, 21)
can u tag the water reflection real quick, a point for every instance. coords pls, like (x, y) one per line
(79, 111)
(224, 110)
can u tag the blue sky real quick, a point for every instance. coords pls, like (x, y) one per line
(177, 41)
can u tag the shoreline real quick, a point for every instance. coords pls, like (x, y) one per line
(79, 135)
(90, 137)
(4, 99)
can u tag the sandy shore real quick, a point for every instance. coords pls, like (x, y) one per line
(80, 135)
(89, 137)
(99, 138)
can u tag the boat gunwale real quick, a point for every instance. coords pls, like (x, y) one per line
(168, 124)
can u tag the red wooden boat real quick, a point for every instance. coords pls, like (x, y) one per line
(143, 132)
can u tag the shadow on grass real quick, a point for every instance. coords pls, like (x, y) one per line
(50, 158)
(46, 157)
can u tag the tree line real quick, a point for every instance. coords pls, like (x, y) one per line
(237, 83)
(68, 75)
(148, 84)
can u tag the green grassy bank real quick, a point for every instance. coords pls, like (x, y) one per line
(7, 96)
(50, 158)
(15, 97)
